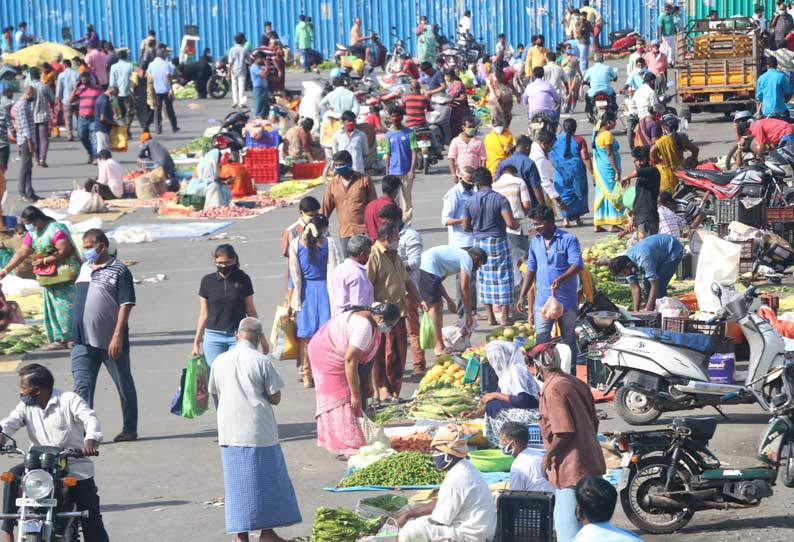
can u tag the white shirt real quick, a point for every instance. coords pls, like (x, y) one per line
(516, 191)
(66, 422)
(465, 503)
(526, 475)
(554, 74)
(604, 532)
(464, 26)
(546, 170)
(160, 70)
(644, 98)
(242, 378)
(111, 174)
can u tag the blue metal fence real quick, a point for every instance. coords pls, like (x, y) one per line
(126, 22)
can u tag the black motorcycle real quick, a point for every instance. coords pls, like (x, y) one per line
(218, 85)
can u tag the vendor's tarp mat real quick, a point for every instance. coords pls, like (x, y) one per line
(177, 230)
(693, 341)
(490, 478)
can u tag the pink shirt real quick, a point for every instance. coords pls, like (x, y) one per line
(467, 154)
(98, 64)
(112, 175)
(657, 64)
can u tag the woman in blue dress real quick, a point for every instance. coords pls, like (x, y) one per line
(571, 161)
(312, 259)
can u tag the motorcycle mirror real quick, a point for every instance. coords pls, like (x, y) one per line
(716, 290)
(10, 440)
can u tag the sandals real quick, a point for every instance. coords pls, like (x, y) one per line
(56, 346)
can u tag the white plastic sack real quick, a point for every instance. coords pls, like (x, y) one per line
(13, 285)
(671, 307)
(718, 261)
(457, 338)
(132, 235)
(82, 202)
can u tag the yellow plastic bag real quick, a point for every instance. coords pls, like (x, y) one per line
(284, 335)
(118, 139)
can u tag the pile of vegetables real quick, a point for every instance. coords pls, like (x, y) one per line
(21, 338)
(400, 469)
(201, 143)
(444, 374)
(231, 211)
(389, 503)
(389, 413)
(32, 306)
(415, 442)
(289, 188)
(367, 455)
(442, 404)
(134, 174)
(265, 200)
(188, 92)
(341, 525)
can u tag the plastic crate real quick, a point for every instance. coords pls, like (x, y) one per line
(189, 200)
(784, 230)
(685, 325)
(262, 165)
(596, 372)
(268, 140)
(649, 319)
(489, 382)
(772, 301)
(746, 249)
(307, 170)
(746, 266)
(684, 270)
(733, 210)
(524, 516)
(780, 214)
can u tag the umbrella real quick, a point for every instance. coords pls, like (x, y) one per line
(37, 55)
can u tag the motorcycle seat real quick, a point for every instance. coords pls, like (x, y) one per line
(701, 428)
(717, 177)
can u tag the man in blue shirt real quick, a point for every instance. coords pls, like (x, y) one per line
(526, 168)
(595, 505)
(600, 77)
(259, 82)
(656, 258)
(773, 90)
(400, 157)
(553, 264)
(434, 79)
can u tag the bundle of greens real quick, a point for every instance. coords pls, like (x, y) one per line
(400, 469)
(389, 503)
(341, 525)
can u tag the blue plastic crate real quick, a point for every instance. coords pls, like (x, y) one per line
(535, 439)
(268, 140)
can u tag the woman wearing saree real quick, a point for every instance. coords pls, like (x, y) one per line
(571, 161)
(668, 153)
(606, 172)
(571, 68)
(341, 355)
(649, 129)
(500, 94)
(427, 42)
(56, 265)
(460, 103)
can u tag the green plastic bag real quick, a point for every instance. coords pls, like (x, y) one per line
(616, 197)
(427, 335)
(196, 393)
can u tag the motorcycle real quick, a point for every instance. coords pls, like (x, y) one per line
(452, 58)
(431, 151)
(438, 118)
(46, 512)
(218, 85)
(394, 58)
(621, 42)
(540, 122)
(470, 49)
(601, 103)
(670, 474)
(658, 371)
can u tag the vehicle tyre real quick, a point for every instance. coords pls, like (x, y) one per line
(635, 407)
(420, 162)
(730, 156)
(685, 113)
(646, 478)
(788, 196)
(788, 468)
(217, 88)
(696, 196)
(426, 165)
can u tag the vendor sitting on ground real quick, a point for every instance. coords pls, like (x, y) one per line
(156, 152)
(517, 398)
(656, 258)
(464, 510)
(299, 144)
(674, 224)
(758, 136)
(526, 473)
(110, 182)
(242, 184)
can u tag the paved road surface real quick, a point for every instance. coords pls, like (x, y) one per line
(157, 487)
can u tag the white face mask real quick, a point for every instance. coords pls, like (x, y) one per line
(498, 129)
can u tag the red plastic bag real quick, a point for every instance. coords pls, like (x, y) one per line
(552, 309)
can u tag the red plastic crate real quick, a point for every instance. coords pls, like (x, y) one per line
(307, 170)
(779, 214)
(262, 165)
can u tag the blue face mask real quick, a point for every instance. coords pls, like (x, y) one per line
(442, 461)
(91, 255)
(341, 170)
(27, 400)
(30, 228)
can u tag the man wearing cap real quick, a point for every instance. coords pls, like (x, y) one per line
(657, 64)
(569, 427)
(464, 510)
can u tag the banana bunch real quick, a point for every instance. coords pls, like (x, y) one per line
(442, 404)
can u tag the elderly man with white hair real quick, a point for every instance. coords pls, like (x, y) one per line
(246, 385)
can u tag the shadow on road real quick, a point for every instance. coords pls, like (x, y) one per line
(294, 432)
(739, 524)
(161, 342)
(209, 433)
(134, 506)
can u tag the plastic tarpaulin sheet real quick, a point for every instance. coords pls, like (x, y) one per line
(718, 261)
(177, 230)
(693, 341)
(37, 55)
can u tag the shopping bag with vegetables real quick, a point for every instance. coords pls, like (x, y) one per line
(195, 400)
(427, 336)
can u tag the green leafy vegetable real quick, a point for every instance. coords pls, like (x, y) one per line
(390, 503)
(341, 525)
(400, 469)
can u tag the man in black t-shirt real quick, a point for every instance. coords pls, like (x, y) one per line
(646, 214)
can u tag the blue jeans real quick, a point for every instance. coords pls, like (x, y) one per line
(584, 56)
(565, 522)
(261, 102)
(567, 323)
(665, 272)
(85, 130)
(86, 361)
(306, 56)
(216, 343)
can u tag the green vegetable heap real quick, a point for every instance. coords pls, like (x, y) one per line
(400, 469)
(390, 503)
(340, 525)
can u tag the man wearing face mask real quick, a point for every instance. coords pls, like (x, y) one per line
(525, 473)
(56, 418)
(465, 150)
(352, 140)
(26, 140)
(103, 301)
(348, 192)
(464, 509)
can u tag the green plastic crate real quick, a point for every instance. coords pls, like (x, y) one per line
(472, 370)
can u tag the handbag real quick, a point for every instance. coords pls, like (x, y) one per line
(54, 274)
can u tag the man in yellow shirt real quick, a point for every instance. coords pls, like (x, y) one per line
(536, 56)
(499, 144)
(594, 16)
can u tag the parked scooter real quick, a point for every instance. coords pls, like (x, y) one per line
(658, 371)
(621, 42)
(46, 511)
(438, 118)
(670, 474)
(218, 85)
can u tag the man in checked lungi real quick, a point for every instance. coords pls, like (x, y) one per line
(488, 215)
(259, 494)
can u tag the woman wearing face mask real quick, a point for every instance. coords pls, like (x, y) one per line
(225, 297)
(56, 266)
(606, 172)
(312, 258)
(464, 508)
(459, 108)
(517, 398)
(500, 93)
(341, 355)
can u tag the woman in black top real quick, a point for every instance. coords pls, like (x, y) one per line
(225, 298)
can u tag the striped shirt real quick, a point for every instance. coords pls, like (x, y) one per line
(23, 113)
(41, 105)
(415, 107)
(87, 96)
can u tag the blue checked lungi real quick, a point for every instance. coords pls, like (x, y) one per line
(495, 278)
(259, 493)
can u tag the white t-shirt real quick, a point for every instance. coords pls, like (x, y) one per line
(517, 193)
(112, 174)
(160, 70)
(465, 502)
(525, 474)
(545, 169)
(242, 378)
(464, 26)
